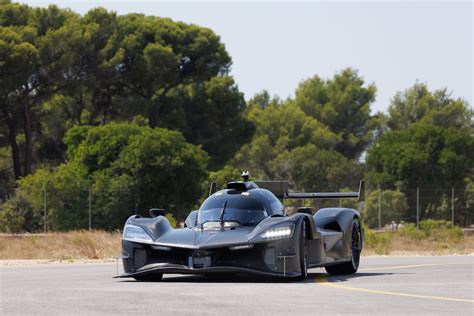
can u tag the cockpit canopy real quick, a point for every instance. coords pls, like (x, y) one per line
(238, 207)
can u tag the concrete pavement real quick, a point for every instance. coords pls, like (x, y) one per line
(388, 285)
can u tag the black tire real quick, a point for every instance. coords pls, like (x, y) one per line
(352, 266)
(303, 252)
(155, 277)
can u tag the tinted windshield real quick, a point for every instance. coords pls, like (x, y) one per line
(240, 209)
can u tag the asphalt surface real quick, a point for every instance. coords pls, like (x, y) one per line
(383, 285)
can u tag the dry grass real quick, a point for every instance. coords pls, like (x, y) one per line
(403, 245)
(85, 245)
(61, 246)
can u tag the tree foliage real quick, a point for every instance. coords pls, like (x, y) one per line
(127, 168)
(211, 114)
(343, 105)
(418, 105)
(279, 129)
(422, 155)
(135, 110)
(393, 206)
(61, 70)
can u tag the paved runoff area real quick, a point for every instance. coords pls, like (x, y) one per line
(383, 285)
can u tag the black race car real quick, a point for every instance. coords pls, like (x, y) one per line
(244, 229)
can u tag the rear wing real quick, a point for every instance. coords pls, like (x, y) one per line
(280, 190)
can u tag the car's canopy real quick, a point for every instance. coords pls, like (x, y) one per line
(246, 208)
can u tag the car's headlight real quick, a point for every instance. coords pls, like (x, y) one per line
(278, 232)
(135, 233)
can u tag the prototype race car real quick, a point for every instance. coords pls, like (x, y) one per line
(244, 229)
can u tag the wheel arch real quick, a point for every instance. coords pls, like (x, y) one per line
(338, 219)
(310, 224)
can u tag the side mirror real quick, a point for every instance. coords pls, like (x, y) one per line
(154, 212)
(191, 220)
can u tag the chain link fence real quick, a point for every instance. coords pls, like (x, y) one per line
(383, 207)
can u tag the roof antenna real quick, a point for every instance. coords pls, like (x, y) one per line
(245, 175)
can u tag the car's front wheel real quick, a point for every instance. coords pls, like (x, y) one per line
(356, 247)
(155, 277)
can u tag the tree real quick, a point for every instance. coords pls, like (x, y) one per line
(36, 47)
(422, 155)
(279, 128)
(19, 59)
(158, 55)
(466, 216)
(60, 70)
(262, 99)
(418, 105)
(392, 204)
(210, 114)
(224, 176)
(343, 105)
(128, 169)
(312, 169)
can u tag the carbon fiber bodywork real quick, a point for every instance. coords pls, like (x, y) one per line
(320, 240)
(194, 251)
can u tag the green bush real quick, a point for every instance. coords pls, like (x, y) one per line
(394, 204)
(380, 242)
(10, 220)
(436, 230)
(126, 169)
(410, 231)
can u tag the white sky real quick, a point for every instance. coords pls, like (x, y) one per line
(275, 45)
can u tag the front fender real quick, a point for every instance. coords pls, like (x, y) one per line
(154, 226)
(311, 231)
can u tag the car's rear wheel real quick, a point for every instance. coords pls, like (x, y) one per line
(303, 252)
(155, 277)
(356, 247)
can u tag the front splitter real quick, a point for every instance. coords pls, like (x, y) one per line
(182, 269)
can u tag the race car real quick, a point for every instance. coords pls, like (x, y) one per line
(244, 229)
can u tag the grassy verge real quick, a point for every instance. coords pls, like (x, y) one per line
(61, 246)
(433, 237)
(398, 244)
(94, 245)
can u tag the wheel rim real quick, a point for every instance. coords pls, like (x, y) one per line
(355, 246)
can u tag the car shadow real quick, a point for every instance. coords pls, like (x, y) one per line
(315, 277)
(248, 278)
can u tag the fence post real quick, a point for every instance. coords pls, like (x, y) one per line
(417, 207)
(45, 211)
(452, 205)
(380, 208)
(90, 206)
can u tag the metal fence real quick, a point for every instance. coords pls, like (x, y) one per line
(424, 202)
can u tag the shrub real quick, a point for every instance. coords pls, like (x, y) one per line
(410, 231)
(126, 168)
(439, 231)
(380, 242)
(10, 220)
(394, 204)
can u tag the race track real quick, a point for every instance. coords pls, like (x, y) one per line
(383, 285)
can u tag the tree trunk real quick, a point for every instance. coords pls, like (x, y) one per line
(153, 116)
(154, 112)
(28, 134)
(11, 123)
